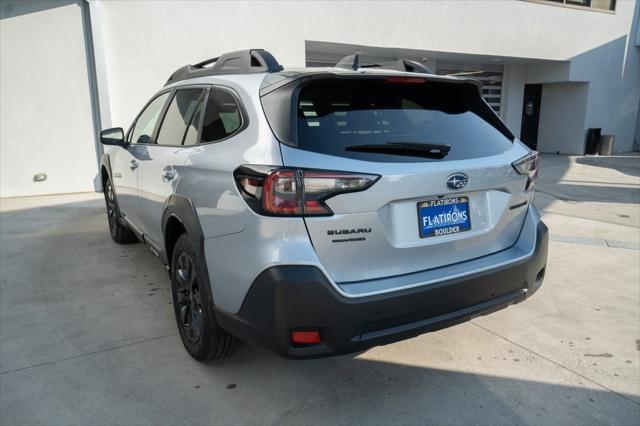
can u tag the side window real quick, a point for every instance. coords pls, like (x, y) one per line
(191, 138)
(222, 116)
(146, 122)
(179, 115)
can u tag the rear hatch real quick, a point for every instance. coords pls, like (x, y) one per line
(447, 191)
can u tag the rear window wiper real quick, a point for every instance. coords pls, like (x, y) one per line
(424, 150)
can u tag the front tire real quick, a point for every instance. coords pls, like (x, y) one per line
(193, 307)
(119, 233)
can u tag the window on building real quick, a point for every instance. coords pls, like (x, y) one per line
(222, 116)
(146, 122)
(178, 116)
(594, 4)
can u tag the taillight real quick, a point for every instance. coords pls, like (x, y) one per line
(296, 192)
(528, 165)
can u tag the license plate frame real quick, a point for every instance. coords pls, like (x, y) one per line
(443, 205)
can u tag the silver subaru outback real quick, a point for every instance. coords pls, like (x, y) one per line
(322, 211)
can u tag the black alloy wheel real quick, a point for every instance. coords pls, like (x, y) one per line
(189, 299)
(193, 304)
(119, 233)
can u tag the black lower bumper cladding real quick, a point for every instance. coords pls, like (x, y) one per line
(284, 299)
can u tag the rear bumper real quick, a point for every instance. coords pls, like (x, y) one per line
(287, 298)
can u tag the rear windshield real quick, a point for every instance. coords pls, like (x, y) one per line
(338, 117)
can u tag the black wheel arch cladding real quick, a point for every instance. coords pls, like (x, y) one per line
(105, 165)
(181, 209)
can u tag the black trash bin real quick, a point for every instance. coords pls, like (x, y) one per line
(593, 138)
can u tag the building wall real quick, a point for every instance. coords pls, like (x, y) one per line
(562, 118)
(612, 70)
(636, 147)
(44, 100)
(513, 97)
(637, 27)
(613, 73)
(149, 39)
(45, 89)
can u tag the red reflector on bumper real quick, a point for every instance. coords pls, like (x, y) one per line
(305, 337)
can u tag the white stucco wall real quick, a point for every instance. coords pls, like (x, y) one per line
(637, 145)
(562, 118)
(44, 100)
(141, 43)
(613, 72)
(513, 96)
(145, 42)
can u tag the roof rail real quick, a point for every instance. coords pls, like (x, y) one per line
(352, 62)
(241, 62)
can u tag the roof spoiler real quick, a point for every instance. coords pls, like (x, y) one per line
(241, 62)
(352, 62)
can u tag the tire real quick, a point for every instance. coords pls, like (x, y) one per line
(119, 233)
(193, 306)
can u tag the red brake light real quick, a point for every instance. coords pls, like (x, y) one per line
(305, 337)
(280, 194)
(296, 192)
(409, 80)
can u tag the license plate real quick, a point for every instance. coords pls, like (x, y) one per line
(443, 216)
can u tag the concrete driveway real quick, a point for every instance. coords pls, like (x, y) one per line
(87, 334)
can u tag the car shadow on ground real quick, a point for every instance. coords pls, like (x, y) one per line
(627, 164)
(354, 389)
(612, 180)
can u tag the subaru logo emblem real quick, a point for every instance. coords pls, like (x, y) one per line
(457, 181)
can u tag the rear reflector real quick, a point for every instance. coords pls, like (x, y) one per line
(305, 337)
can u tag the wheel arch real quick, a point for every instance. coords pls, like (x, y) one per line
(105, 169)
(180, 217)
(172, 231)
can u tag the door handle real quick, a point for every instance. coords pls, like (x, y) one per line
(168, 173)
(134, 165)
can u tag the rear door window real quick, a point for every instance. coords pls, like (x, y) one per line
(336, 115)
(191, 138)
(178, 117)
(222, 116)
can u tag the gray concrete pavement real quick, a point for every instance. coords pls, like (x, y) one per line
(87, 334)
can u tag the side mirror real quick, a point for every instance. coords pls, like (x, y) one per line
(113, 136)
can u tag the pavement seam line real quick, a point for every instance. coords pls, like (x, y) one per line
(554, 362)
(590, 241)
(608, 222)
(86, 354)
